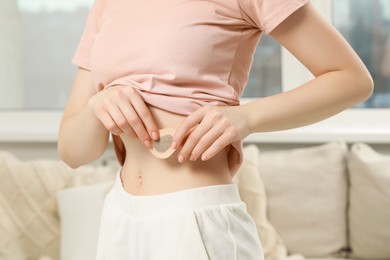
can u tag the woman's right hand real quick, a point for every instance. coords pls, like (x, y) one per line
(122, 110)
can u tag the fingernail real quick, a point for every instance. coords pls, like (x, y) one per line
(148, 144)
(181, 158)
(173, 145)
(204, 157)
(192, 158)
(155, 136)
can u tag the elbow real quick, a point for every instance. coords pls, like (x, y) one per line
(363, 86)
(76, 157)
(67, 158)
(71, 164)
(367, 87)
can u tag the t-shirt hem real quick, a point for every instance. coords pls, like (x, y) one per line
(81, 63)
(282, 14)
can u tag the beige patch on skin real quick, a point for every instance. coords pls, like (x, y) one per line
(162, 147)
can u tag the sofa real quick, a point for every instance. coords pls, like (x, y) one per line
(328, 202)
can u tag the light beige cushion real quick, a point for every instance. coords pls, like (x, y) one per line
(29, 221)
(369, 211)
(307, 197)
(253, 194)
(329, 259)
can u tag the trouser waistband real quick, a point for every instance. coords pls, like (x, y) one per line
(206, 196)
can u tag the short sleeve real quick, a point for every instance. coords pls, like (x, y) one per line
(82, 56)
(268, 14)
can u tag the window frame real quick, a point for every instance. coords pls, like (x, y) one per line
(351, 125)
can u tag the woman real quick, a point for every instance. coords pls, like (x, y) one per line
(183, 65)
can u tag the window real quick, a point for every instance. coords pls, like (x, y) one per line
(42, 37)
(366, 26)
(266, 74)
(39, 37)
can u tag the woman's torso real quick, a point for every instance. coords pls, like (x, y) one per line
(144, 174)
(179, 56)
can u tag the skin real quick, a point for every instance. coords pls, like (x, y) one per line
(341, 80)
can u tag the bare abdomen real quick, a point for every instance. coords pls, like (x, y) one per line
(144, 174)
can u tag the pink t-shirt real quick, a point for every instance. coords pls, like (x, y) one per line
(178, 54)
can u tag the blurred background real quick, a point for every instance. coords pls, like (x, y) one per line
(38, 39)
(323, 187)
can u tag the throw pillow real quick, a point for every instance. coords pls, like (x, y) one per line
(369, 211)
(29, 221)
(252, 192)
(80, 209)
(307, 197)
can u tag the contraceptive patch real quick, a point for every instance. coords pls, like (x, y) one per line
(162, 148)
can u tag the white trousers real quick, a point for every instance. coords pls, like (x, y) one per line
(206, 223)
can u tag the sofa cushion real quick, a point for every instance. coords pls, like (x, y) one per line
(29, 221)
(369, 211)
(329, 258)
(252, 192)
(307, 197)
(80, 210)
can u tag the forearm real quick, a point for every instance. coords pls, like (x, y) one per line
(318, 99)
(82, 138)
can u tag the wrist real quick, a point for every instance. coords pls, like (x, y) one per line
(250, 115)
(245, 119)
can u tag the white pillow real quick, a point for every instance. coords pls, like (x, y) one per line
(369, 210)
(80, 210)
(252, 192)
(307, 197)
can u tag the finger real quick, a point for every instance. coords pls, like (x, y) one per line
(145, 116)
(126, 110)
(109, 123)
(106, 119)
(134, 122)
(185, 127)
(217, 146)
(193, 139)
(120, 123)
(205, 142)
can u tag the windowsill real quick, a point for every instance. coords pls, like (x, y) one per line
(353, 125)
(33, 126)
(42, 127)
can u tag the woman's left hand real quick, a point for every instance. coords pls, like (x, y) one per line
(209, 130)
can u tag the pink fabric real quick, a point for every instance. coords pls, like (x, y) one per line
(179, 55)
